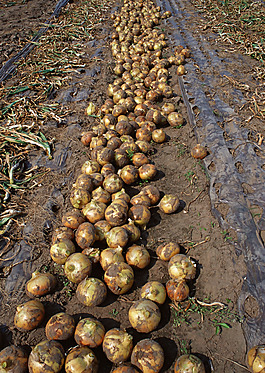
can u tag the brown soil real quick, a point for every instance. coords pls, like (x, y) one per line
(220, 270)
(20, 20)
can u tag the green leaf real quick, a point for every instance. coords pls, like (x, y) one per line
(224, 325)
(217, 330)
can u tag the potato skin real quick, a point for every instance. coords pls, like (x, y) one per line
(125, 369)
(46, 356)
(29, 315)
(16, 357)
(91, 292)
(148, 356)
(60, 327)
(81, 359)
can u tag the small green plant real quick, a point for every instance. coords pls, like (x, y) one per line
(114, 312)
(200, 163)
(219, 315)
(219, 325)
(130, 153)
(225, 235)
(184, 346)
(143, 182)
(67, 287)
(216, 113)
(191, 244)
(188, 175)
(44, 268)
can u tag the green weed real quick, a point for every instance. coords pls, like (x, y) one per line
(114, 312)
(219, 315)
(225, 235)
(188, 175)
(130, 153)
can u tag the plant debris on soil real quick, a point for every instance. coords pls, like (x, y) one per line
(42, 117)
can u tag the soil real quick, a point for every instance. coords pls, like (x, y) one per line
(220, 270)
(20, 20)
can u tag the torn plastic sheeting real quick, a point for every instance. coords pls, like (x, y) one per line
(9, 66)
(60, 155)
(20, 270)
(238, 217)
(224, 172)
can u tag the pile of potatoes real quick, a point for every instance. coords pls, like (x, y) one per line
(105, 222)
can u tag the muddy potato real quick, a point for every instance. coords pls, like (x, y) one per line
(167, 250)
(154, 291)
(13, 359)
(140, 214)
(91, 292)
(125, 369)
(256, 359)
(77, 267)
(60, 326)
(119, 277)
(40, 284)
(181, 267)
(61, 250)
(72, 219)
(109, 256)
(117, 236)
(62, 232)
(29, 315)
(85, 182)
(189, 364)
(85, 235)
(144, 316)
(117, 345)
(199, 151)
(177, 290)
(169, 204)
(79, 197)
(47, 356)
(152, 192)
(137, 256)
(81, 360)
(89, 332)
(148, 356)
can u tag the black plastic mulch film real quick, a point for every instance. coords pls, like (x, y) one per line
(232, 164)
